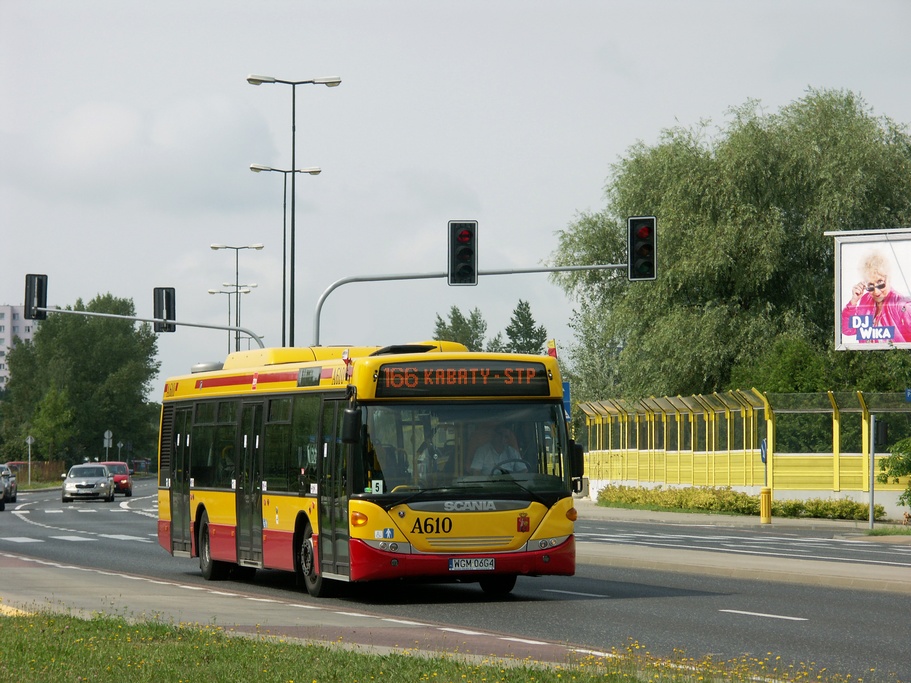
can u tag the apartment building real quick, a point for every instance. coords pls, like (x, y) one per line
(13, 327)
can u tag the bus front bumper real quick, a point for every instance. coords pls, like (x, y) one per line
(371, 564)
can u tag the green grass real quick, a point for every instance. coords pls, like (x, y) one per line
(49, 647)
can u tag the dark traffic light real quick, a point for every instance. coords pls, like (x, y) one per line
(463, 253)
(164, 304)
(643, 231)
(35, 297)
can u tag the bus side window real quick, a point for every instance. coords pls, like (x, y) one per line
(304, 449)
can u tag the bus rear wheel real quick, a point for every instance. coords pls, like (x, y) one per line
(307, 569)
(212, 570)
(498, 585)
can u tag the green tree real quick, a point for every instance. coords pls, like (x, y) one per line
(52, 423)
(898, 464)
(79, 377)
(497, 345)
(469, 331)
(743, 262)
(524, 336)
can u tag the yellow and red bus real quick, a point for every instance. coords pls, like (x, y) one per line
(355, 464)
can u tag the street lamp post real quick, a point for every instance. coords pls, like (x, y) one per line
(230, 292)
(258, 168)
(329, 82)
(237, 250)
(240, 289)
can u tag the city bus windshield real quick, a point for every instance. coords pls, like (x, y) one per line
(498, 448)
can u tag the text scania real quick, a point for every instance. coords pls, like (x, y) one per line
(399, 377)
(469, 505)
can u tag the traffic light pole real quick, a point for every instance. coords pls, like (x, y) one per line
(154, 320)
(427, 276)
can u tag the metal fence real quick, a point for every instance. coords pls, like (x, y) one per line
(808, 442)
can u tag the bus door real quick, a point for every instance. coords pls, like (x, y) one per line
(181, 541)
(333, 494)
(249, 487)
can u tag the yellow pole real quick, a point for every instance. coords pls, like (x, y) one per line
(765, 505)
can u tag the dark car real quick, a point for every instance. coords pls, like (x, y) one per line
(12, 488)
(123, 477)
(91, 480)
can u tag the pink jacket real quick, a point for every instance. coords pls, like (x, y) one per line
(893, 323)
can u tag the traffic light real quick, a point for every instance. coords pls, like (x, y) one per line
(463, 253)
(165, 301)
(35, 297)
(643, 231)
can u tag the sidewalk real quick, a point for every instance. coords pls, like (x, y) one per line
(895, 579)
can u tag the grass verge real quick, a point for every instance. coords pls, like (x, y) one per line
(44, 646)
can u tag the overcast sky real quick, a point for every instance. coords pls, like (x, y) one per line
(127, 129)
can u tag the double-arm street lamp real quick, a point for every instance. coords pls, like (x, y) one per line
(230, 292)
(330, 82)
(237, 250)
(259, 168)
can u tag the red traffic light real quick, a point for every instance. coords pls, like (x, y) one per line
(641, 248)
(463, 253)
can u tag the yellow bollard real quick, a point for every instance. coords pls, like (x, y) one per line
(765, 505)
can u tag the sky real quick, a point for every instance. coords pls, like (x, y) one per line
(127, 130)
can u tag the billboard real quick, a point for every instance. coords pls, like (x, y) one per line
(872, 289)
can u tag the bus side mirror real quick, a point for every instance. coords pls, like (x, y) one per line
(351, 425)
(577, 465)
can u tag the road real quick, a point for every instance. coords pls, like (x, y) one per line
(700, 588)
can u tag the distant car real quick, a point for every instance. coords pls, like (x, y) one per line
(123, 477)
(91, 480)
(4, 485)
(12, 488)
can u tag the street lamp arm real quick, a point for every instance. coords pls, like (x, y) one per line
(258, 168)
(329, 81)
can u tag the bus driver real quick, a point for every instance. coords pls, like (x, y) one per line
(497, 455)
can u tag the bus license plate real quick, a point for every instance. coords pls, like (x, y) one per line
(471, 564)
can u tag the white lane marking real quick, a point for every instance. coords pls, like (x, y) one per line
(583, 595)
(760, 614)
(523, 640)
(21, 539)
(72, 538)
(403, 622)
(463, 631)
(125, 537)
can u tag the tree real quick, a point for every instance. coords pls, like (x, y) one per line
(743, 264)
(79, 377)
(524, 336)
(469, 331)
(898, 464)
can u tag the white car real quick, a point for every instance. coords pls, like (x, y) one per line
(88, 481)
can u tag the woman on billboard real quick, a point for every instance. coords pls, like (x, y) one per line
(876, 312)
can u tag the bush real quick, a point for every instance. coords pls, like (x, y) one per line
(726, 500)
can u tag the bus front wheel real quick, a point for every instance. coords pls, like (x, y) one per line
(307, 568)
(498, 585)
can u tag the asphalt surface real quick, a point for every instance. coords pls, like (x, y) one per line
(29, 583)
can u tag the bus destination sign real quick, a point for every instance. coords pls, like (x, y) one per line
(462, 378)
